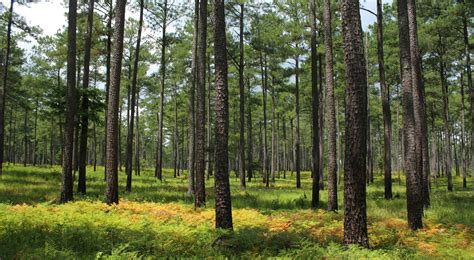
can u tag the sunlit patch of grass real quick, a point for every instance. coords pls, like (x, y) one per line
(158, 219)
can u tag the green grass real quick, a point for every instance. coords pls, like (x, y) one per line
(157, 219)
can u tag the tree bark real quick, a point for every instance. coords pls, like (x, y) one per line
(332, 129)
(200, 195)
(222, 189)
(113, 105)
(71, 106)
(355, 215)
(242, 98)
(3, 87)
(315, 103)
(419, 104)
(133, 92)
(297, 142)
(192, 113)
(81, 188)
(385, 95)
(414, 192)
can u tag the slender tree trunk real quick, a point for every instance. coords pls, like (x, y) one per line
(94, 132)
(222, 189)
(447, 128)
(385, 95)
(249, 134)
(463, 133)
(131, 104)
(355, 215)
(107, 82)
(242, 98)
(71, 106)
(192, 113)
(321, 124)
(315, 104)
(81, 188)
(297, 142)
(137, 141)
(414, 192)
(3, 87)
(113, 105)
(200, 196)
(35, 142)
(159, 162)
(264, 76)
(25, 138)
(332, 129)
(175, 134)
(285, 155)
(273, 158)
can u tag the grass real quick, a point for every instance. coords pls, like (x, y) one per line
(157, 219)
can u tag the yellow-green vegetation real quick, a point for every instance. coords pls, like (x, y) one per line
(158, 219)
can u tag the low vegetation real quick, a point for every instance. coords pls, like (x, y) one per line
(158, 219)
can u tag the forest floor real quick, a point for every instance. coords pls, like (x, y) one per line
(157, 219)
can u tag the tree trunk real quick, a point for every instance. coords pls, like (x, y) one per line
(297, 142)
(25, 138)
(385, 95)
(355, 215)
(107, 82)
(131, 104)
(315, 103)
(67, 181)
(192, 113)
(414, 192)
(419, 104)
(321, 125)
(222, 189)
(273, 158)
(159, 162)
(249, 134)
(137, 141)
(113, 105)
(81, 188)
(447, 128)
(263, 64)
(3, 87)
(332, 129)
(200, 196)
(242, 98)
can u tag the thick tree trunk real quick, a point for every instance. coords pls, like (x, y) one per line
(332, 129)
(414, 192)
(200, 196)
(355, 215)
(81, 188)
(222, 189)
(249, 134)
(67, 181)
(113, 105)
(419, 104)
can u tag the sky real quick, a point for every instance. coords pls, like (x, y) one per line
(50, 14)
